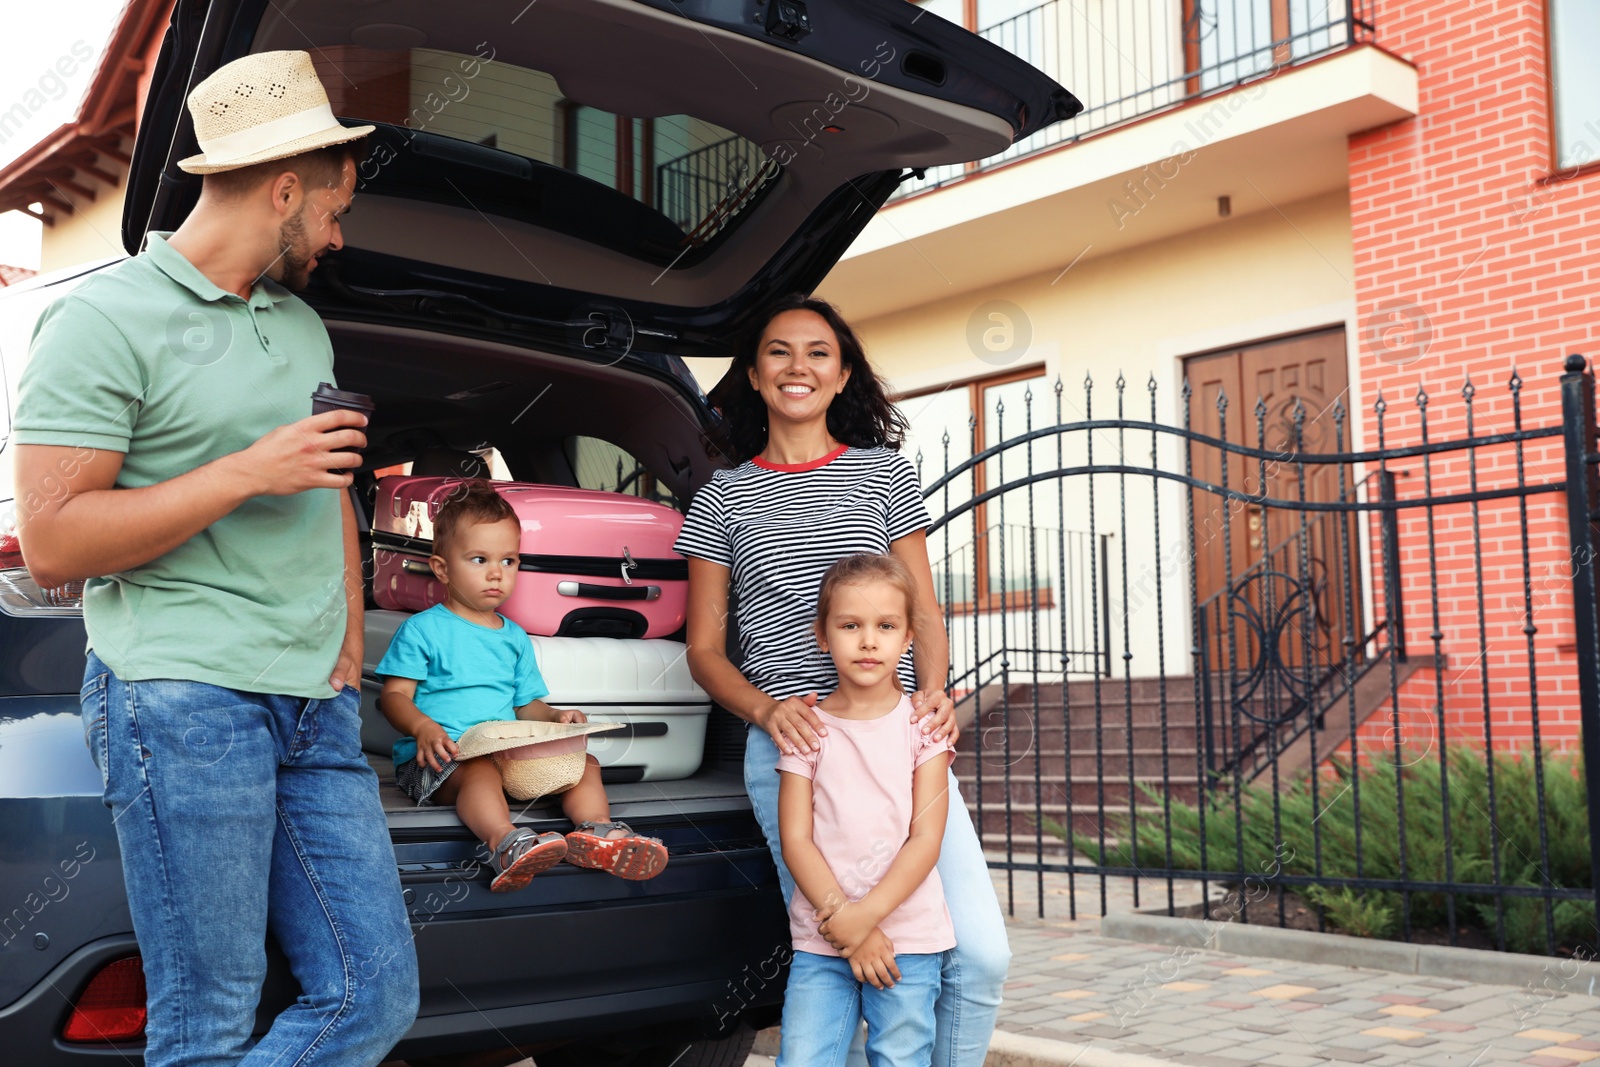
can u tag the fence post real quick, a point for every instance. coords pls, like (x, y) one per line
(1105, 599)
(1583, 492)
(1202, 681)
(1389, 523)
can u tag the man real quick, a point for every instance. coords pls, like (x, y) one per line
(208, 513)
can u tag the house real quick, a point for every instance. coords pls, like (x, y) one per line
(1192, 224)
(1331, 205)
(72, 180)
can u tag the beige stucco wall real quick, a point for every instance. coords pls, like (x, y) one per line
(1138, 312)
(94, 231)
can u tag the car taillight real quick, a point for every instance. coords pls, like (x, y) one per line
(10, 546)
(20, 595)
(111, 1007)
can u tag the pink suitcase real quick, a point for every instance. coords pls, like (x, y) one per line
(593, 564)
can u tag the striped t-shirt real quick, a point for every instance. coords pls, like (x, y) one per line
(777, 528)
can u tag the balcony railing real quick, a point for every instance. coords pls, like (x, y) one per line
(1126, 59)
(701, 190)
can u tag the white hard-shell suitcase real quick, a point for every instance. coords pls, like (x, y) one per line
(643, 683)
(377, 736)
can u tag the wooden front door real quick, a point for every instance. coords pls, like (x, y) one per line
(1289, 569)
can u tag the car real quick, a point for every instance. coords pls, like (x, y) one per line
(565, 200)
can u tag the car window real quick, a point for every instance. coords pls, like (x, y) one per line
(19, 311)
(696, 174)
(598, 464)
(498, 471)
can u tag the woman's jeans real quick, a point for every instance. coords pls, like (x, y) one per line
(237, 813)
(975, 970)
(823, 1006)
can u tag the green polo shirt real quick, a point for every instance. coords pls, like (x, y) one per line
(150, 359)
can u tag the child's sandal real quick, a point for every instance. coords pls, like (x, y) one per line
(521, 854)
(634, 857)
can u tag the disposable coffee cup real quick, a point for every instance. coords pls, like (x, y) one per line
(327, 398)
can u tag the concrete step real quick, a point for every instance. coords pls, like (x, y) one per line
(1024, 847)
(1052, 762)
(1178, 686)
(1086, 819)
(1179, 737)
(1023, 711)
(1086, 790)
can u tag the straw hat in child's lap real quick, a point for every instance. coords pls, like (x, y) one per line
(535, 758)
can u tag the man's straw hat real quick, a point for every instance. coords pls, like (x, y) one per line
(262, 107)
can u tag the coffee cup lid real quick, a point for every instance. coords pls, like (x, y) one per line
(343, 398)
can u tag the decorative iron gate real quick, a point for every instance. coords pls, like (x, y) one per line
(1279, 738)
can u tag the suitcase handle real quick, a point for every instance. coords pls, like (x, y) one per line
(608, 592)
(416, 566)
(675, 569)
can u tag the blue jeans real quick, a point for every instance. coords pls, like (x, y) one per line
(975, 970)
(823, 1006)
(237, 813)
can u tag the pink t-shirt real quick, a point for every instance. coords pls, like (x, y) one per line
(861, 815)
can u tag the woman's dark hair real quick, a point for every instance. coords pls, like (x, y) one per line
(860, 416)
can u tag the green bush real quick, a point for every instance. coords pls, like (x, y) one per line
(1249, 839)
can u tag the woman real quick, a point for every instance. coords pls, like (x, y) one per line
(818, 478)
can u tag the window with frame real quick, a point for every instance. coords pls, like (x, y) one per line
(1574, 37)
(700, 176)
(994, 554)
(599, 464)
(693, 172)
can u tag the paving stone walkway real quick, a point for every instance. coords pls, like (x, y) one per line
(1187, 1006)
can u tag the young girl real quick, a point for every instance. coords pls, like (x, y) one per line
(819, 477)
(461, 663)
(861, 819)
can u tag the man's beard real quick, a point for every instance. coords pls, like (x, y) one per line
(296, 262)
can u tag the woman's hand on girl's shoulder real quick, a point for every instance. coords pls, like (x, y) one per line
(793, 724)
(940, 710)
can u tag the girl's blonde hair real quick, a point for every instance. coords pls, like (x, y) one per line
(859, 569)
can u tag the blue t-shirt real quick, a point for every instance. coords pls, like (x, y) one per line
(465, 673)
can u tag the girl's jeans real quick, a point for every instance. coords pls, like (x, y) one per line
(823, 1006)
(239, 812)
(974, 971)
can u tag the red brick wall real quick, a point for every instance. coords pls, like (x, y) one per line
(1473, 256)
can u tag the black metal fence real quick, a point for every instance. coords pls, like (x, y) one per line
(1130, 58)
(1209, 689)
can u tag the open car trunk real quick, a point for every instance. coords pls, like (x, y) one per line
(615, 176)
(436, 391)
